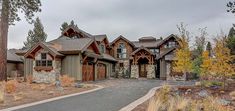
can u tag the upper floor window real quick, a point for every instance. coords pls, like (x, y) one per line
(121, 51)
(170, 44)
(44, 61)
(102, 48)
(155, 51)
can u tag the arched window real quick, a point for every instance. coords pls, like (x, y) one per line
(121, 51)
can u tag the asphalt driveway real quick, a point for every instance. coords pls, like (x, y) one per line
(111, 98)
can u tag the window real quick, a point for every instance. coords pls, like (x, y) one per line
(113, 68)
(155, 51)
(121, 51)
(43, 56)
(102, 48)
(121, 65)
(171, 44)
(44, 61)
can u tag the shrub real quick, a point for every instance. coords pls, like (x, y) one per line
(66, 81)
(29, 79)
(166, 100)
(232, 94)
(10, 86)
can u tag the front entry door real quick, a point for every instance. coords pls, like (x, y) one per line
(142, 70)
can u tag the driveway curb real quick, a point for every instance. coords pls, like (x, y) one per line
(52, 99)
(139, 101)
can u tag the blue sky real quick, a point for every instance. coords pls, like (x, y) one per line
(130, 18)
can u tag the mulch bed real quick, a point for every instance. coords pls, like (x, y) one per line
(218, 92)
(32, 93)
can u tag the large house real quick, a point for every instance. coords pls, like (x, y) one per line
(89, 57)
(149, 57)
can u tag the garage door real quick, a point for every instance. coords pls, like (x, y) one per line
(101, 71)
(87, 72)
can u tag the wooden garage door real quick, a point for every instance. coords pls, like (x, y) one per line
(101, 71)
(87, 72)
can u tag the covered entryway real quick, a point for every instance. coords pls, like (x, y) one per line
(101, 71)
(143, 63)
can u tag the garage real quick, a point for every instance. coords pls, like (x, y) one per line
(87, 72)
(101, 71)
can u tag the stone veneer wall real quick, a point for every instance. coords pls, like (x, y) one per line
(151, 71)
(134, 71)
(47, 76)
(126, 68)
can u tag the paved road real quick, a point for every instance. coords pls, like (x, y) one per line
(111, 98)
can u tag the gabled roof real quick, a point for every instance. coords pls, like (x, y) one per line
(100, 37)
(167, 51)
(108, 57)
(142, 48)
(12, 57)
(169, 37)
(68, 44)
(43, 45)
(148, 44)
(123, 38)
(76, 29)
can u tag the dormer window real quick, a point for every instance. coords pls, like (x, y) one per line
(121, 51)
(102, 48)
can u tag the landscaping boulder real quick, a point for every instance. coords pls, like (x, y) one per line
(224, 102)
(78, 85)
(203, 93)
(51, 93)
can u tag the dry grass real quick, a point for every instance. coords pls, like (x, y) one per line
(66, 81)
(10, 86)
(29, 79)
(1, 97)
(166, 100)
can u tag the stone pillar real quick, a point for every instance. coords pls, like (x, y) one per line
(134, 71)
(151, 71)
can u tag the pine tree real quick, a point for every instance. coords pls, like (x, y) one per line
(209, 48)
(9, 14)
(65, 25)
(36, 35)
(231, 40)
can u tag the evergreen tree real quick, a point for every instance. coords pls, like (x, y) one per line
(9, 14)
(231, 41)
(65, 25)
(36, 35)
(209, 48)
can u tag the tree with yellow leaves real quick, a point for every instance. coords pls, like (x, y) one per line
(182, 58)
(222, 63)
(206, 65)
